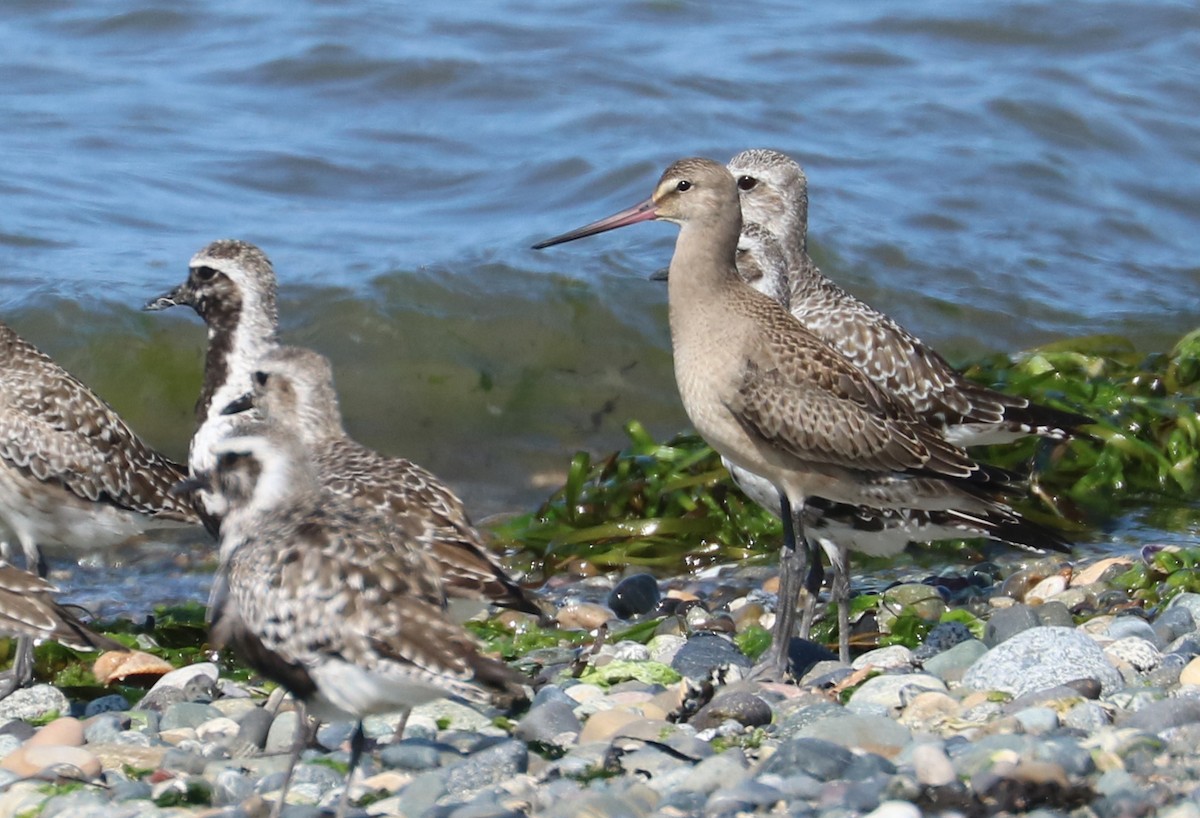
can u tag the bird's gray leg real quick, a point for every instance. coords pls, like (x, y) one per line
(775, 663)
(299, 742)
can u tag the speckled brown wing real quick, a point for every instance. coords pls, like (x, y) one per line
(427, 511)
(902, 364)
(802, 396)
(331, 591)
(57, 429)
(28, 608)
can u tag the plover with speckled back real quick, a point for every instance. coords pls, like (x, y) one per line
(293, 387)
(72, 472)
(310, 592)
(28, 608)
(231, 286)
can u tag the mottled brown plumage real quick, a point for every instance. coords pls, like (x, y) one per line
(774, 197)
(776, 400)
(311, 592)
(294, 388)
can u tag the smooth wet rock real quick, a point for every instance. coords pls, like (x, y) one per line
(884, 695)
(1006, 623)
(635, 595)
(1158, 716)
(814, 757)
(69, 762)
(740, 706)
(583, 616)
(114, 702)
(187, 714)
(706, 651)
(67, 732)
(950, 664)
(874, 734)
(942, 637)
(931, 765)
(1039, 658)
(890, 658)
(553, 722)
(1136, 652)
(743, 797)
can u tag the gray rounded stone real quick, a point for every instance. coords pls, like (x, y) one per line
(813, 757)
(1039, 658)
(105, 704)
(34, 703)
(1158, 716)
(706, 651)
(491, 766)
(951, 663)
(187, 714)
(1007, 623)
(883, 695)
(744, 708)
(553, 722)
(875, 734)
(412, 754)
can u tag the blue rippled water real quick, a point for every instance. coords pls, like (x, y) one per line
(994, 174)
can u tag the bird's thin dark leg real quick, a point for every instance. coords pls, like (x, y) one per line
(840, 591)
(357, 741)
(791, 568)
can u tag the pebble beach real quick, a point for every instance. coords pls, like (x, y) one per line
(1074, 700)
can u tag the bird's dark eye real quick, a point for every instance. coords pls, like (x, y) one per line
(746, 182)
(683, 185)
(206, 273)
(260, 378)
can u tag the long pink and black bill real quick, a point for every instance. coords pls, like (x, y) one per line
(645, 211)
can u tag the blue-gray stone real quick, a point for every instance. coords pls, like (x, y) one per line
(230, 787)
(491, 766)
(1124, 626)
(187, 714)
(813, 757)
(254, 727)
(1066, 753)
(1173, 623)
(129, 791)
(705, 651)
(182, 761)
(105, 704)
(1054, 613)
(1039, 658)
(944, 636)
(635, 595)
(548, 722)
(105, 728)
(1007, 623)
(746, 796)
(744, 708)
(551, 693)
(1162, 715)
(950, 664)
(413, 754)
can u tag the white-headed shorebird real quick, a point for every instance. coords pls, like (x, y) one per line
(231, 286)
(775, 399)
(72, 473)
(309, 595)
(293, 388)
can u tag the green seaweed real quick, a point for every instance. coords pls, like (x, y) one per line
(619, 671)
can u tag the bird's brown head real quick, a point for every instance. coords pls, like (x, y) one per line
(689, 190)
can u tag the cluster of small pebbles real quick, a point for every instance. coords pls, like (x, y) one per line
(1042, 716)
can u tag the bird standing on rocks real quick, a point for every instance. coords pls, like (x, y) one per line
(293, 388)
(775, 399)
(309, 595)
(72, 472)
(773, 258)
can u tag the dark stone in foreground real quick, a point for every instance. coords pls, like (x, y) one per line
(744, 708)
(705, 651)
(634, 595)
(813, 757)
